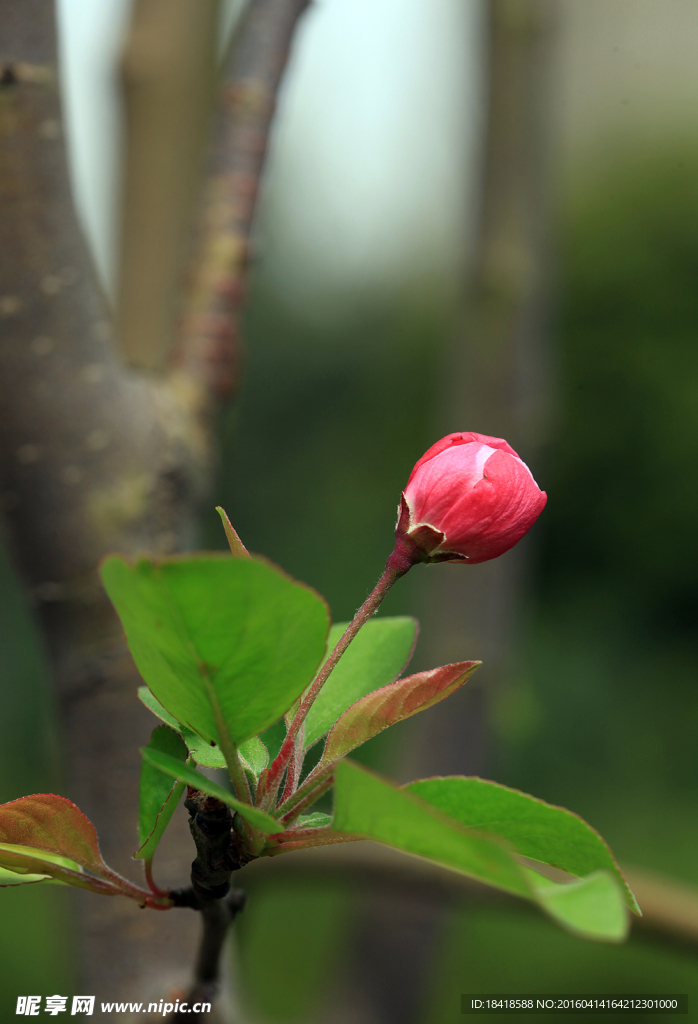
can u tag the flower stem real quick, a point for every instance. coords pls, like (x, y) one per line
(367, 609)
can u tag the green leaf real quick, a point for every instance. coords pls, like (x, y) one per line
(590, 907)
(367, 805)
(158, 797)
(207, 754)
(274, 737)
(372, 808)
(534, 829)
(154, 705)
(225, 644)
(391, 704)
(8, 878)
(315, 820)
(254, 756)
(171, 766)
(14, 857)
(376, 656)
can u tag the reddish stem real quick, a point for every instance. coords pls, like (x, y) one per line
(304, 840)
(308, 800)
(152, 884)
(370, 606)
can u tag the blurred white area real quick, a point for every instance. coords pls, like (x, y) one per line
(375, 149)
(90, 35)
(627, 71)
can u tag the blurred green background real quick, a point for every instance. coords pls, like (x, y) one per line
(350, 334)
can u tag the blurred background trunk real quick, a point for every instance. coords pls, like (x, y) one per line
(94, 457)
(493, 374)
(491, 380)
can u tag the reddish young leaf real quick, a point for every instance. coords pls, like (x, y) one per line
(51, 825)
(391, 704)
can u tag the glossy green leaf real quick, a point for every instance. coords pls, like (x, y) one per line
(391, 704)
(158, 796)
(534, 829)
(375, 657)
(373, 808)
(254, 755)
(367, 805)
(185, 773)
(225, 644)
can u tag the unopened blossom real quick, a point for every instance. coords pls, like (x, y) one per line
(469, 498)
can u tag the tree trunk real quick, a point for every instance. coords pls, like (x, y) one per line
(93, 457)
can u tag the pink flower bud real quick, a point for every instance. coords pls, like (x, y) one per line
(469, 498)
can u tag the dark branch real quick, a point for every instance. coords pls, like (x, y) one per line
(210, 347)
(218, 854)
(211, 826)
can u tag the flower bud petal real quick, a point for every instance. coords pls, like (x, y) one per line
(452, 440)
(469, 498)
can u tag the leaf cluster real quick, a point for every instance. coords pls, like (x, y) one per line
(229, 646)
